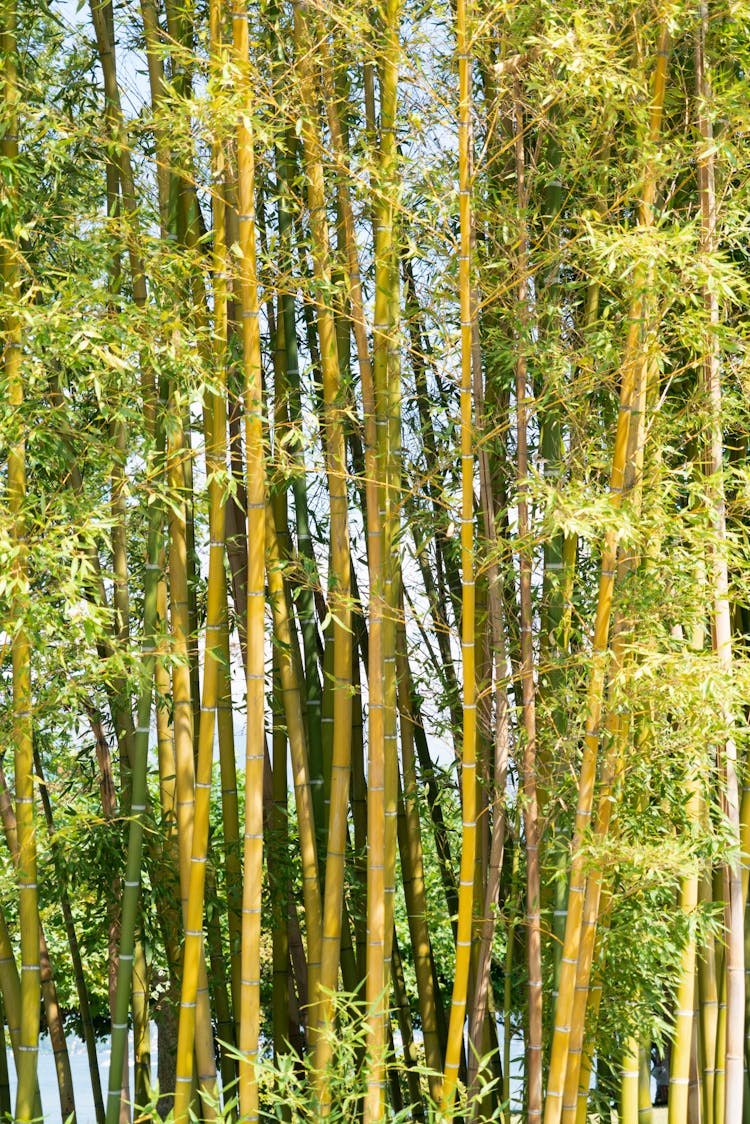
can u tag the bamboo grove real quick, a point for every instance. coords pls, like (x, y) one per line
(375, 559)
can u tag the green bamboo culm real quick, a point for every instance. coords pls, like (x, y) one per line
(132, 883)
(382, 757)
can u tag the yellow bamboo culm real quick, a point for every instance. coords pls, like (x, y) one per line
(468, 762)
(731, 1060)
(679, 1077)
(339, 570)
(256, 520)
(216, 462)
(686, 1029)
(617, 728)
(28, 1035)
(566, 993)
(382, 763)
(194, 973)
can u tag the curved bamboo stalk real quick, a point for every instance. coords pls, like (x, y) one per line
(564, 1007)
(278, 860)
(617, 732)
(183, 730)
(468, 762)
(594, 1002)
(498, 669)
(376, 928)
(427, 778)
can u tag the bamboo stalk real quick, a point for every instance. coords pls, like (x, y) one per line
(101, 18)
(382, 766)
(256, 534)
(564, 1007)
(412, 863)
(403, 1014)
(279, 878)
(193, 949)
(10, 986)
(48, 987)
(154, 61)
(26, 870)
(686, 1029)
(339, 579)
(132, 884)
(507, 995)
(617, 731)
(495, 858)
(6, 1107)
(387, 372)
(468, 761)
(292, 441)
(291, 679)
(529, 766)
(230, 811)
(141, 1031)
(722, 630)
